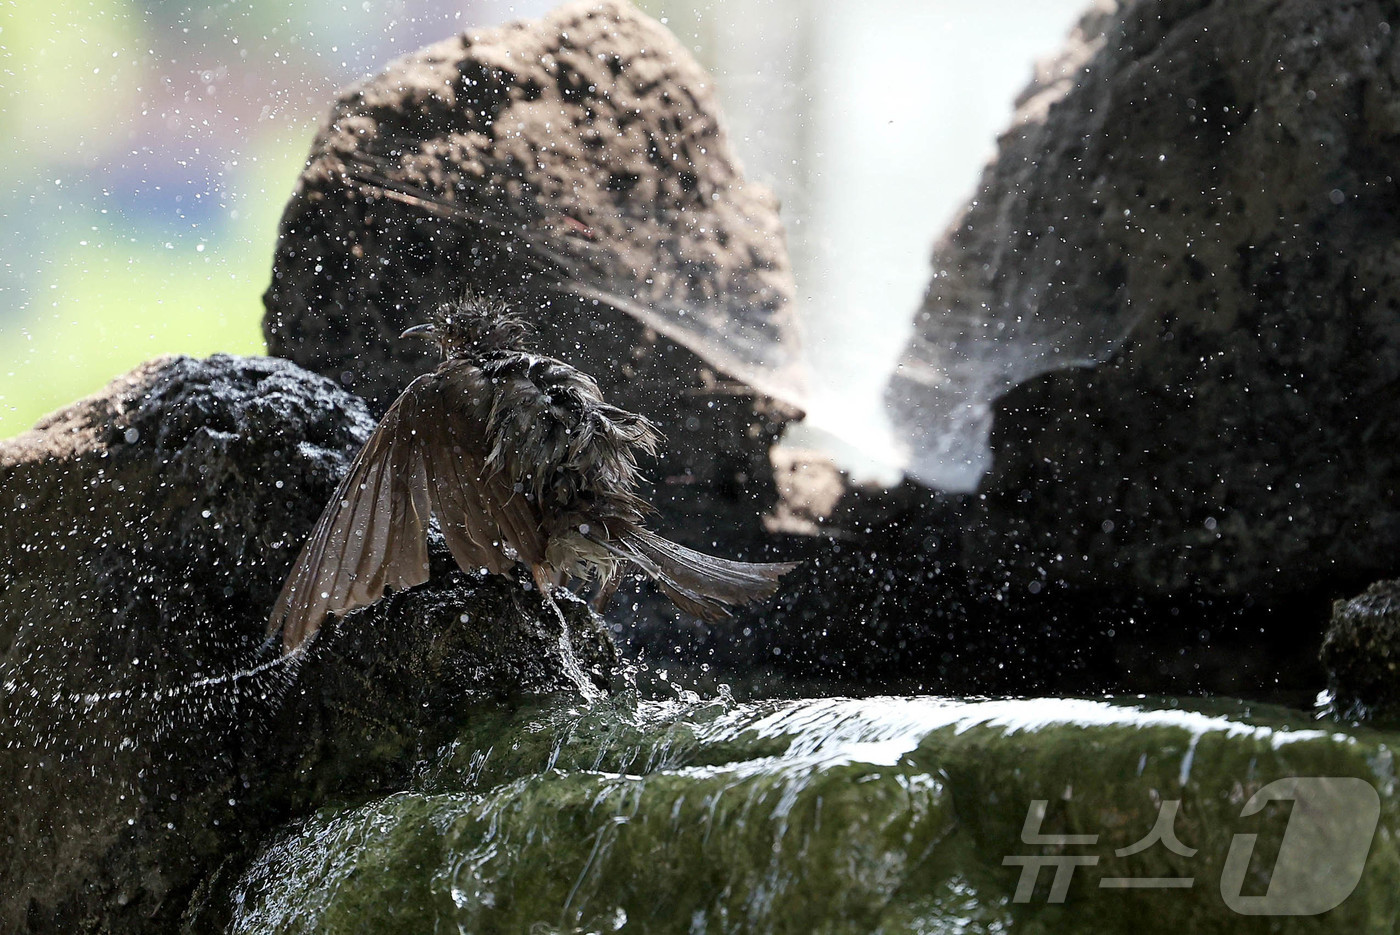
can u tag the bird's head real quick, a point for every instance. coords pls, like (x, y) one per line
(471, 327)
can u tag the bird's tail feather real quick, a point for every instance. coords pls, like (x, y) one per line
(697, 583)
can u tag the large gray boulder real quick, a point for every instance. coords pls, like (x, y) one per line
(1218, 177)
(150, 732)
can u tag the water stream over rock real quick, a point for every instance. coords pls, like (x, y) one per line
(835, 815)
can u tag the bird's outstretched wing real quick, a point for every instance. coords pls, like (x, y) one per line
(487, 519)
(424, 458)
(371, 535)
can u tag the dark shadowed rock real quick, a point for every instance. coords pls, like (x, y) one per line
(576, 165)
(1212, 181)
(1223, 174)
(149, 731)
(1362, 653)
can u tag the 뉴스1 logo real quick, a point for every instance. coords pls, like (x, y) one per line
(1319, 862)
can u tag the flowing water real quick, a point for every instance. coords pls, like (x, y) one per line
(875, 815)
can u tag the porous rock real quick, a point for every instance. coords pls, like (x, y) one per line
(150, 730)
(1361, 652)
(1222, 174)
(576, 165)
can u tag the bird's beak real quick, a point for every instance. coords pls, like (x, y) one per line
(428, 330)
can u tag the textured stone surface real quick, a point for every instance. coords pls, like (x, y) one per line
(1221, 172)
(574, 164)
(149, 732)
(1362, 653)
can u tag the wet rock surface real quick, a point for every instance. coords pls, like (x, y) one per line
(886, 602)
(576, 165)
(831, 815)
(150, 731)
(1361, 652)
(1219, 176)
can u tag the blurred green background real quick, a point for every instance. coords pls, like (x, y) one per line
(148, 149)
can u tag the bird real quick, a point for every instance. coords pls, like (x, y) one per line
(521, 461)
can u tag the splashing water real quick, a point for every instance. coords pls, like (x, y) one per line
(965, 357)
(744, 336)
(939, 393)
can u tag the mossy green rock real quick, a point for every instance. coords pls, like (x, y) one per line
(879, 815)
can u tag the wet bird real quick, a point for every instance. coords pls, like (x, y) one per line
(520, 460)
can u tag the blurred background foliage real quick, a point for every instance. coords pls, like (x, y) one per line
(148, 148)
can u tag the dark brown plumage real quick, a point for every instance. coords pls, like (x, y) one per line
(520, 460)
